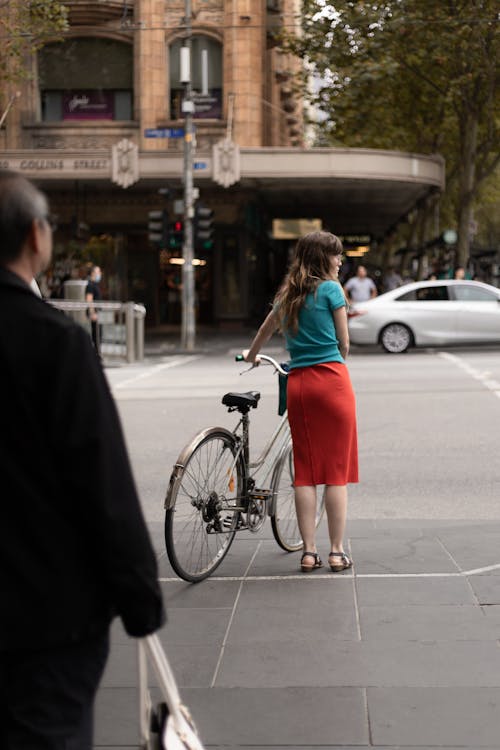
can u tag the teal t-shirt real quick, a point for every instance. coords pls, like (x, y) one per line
(316, 339)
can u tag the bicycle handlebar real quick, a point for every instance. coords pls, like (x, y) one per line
(264, 358)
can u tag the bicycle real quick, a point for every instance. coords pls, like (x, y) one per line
(215, 491)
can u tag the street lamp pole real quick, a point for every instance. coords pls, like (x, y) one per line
(188, 317)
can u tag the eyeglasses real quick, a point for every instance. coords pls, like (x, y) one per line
(51, 221)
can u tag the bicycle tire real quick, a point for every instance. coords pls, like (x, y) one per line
(284, 520)
(205, 476)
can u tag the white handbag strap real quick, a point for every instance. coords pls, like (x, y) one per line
(151, 647)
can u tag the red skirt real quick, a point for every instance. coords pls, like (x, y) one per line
(322, 416)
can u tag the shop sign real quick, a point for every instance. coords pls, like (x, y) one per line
(88, 105)
(63, 165)
(208, 106)
(291, 229)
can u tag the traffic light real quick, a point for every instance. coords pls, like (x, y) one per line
(176, 235)
(158, 228)
(203, 227)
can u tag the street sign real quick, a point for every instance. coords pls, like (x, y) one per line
(164, 133)
(200, 165)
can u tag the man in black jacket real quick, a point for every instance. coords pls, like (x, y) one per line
(74, 548)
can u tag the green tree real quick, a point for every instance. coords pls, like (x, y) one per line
(413, 75)
(24, 27)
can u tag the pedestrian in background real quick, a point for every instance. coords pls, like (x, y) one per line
(74, 548)
(460, 273)
(360, 288)
(392, 279)
(93, 294)
(310, 308)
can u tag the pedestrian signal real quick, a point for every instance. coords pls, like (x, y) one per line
(176, 234)
(203, 227)
(158, 228)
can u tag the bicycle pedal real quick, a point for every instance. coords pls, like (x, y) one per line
(227, 524)
(256, 494)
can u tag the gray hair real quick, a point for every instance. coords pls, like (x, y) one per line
(20, 204)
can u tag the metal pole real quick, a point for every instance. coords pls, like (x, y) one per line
(129, 331)
(188, 318)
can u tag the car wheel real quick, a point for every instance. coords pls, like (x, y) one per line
(396, 338)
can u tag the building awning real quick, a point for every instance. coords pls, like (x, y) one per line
(350, 190)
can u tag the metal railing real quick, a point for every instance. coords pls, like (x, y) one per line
(120, 325)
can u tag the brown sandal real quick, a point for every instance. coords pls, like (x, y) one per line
(305, 567)
(343, 565)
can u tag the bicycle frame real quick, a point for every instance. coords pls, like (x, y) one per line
(279, 438)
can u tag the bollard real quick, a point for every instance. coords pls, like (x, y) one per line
(74, 290)
(129, 331)
(140, 314)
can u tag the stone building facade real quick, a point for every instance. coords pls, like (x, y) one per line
(98, 124)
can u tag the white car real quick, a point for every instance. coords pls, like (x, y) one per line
(428, 313)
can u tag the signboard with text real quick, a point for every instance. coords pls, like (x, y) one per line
(208, 106)
(164, 133)
(88, 105)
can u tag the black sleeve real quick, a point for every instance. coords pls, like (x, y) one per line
(97, 474)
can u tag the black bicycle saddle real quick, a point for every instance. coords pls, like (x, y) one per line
(242, 401)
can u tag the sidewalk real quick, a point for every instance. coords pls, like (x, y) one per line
(401, 652)
(166, 340)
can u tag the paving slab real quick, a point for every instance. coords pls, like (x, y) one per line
(453, 716)
(486, 589)
(277, 624)
(309, 594)
(476, 549)
(428, 623)
(284, 717)
(116, 720)
(418, 590)
(361, 664)
(207, 594)
(402, 555)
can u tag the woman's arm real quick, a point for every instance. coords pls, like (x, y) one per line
(263, 335)
(340, 321)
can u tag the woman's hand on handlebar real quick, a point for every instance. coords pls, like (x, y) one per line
(256, 361)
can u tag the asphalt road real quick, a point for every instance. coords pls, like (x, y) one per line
(429, 425)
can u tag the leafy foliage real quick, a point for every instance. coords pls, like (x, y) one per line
(416, 75)
(24, 27)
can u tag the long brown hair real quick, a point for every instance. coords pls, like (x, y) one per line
(310, 266)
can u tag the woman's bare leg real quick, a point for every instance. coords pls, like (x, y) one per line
(305, 505)
(336, 512)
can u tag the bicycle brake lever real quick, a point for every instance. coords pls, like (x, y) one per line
(252, 366)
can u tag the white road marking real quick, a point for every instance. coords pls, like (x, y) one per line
(156, 369)
(347, 576)
(482, 377)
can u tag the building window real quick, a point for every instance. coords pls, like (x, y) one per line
(86, 79)
(206, 78)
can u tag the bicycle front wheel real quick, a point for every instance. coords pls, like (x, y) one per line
(204, 494)
(284, 520)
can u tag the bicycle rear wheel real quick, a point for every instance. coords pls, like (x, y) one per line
(205, 488)
(284, 521)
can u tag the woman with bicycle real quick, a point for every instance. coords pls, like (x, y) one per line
(310, 309)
